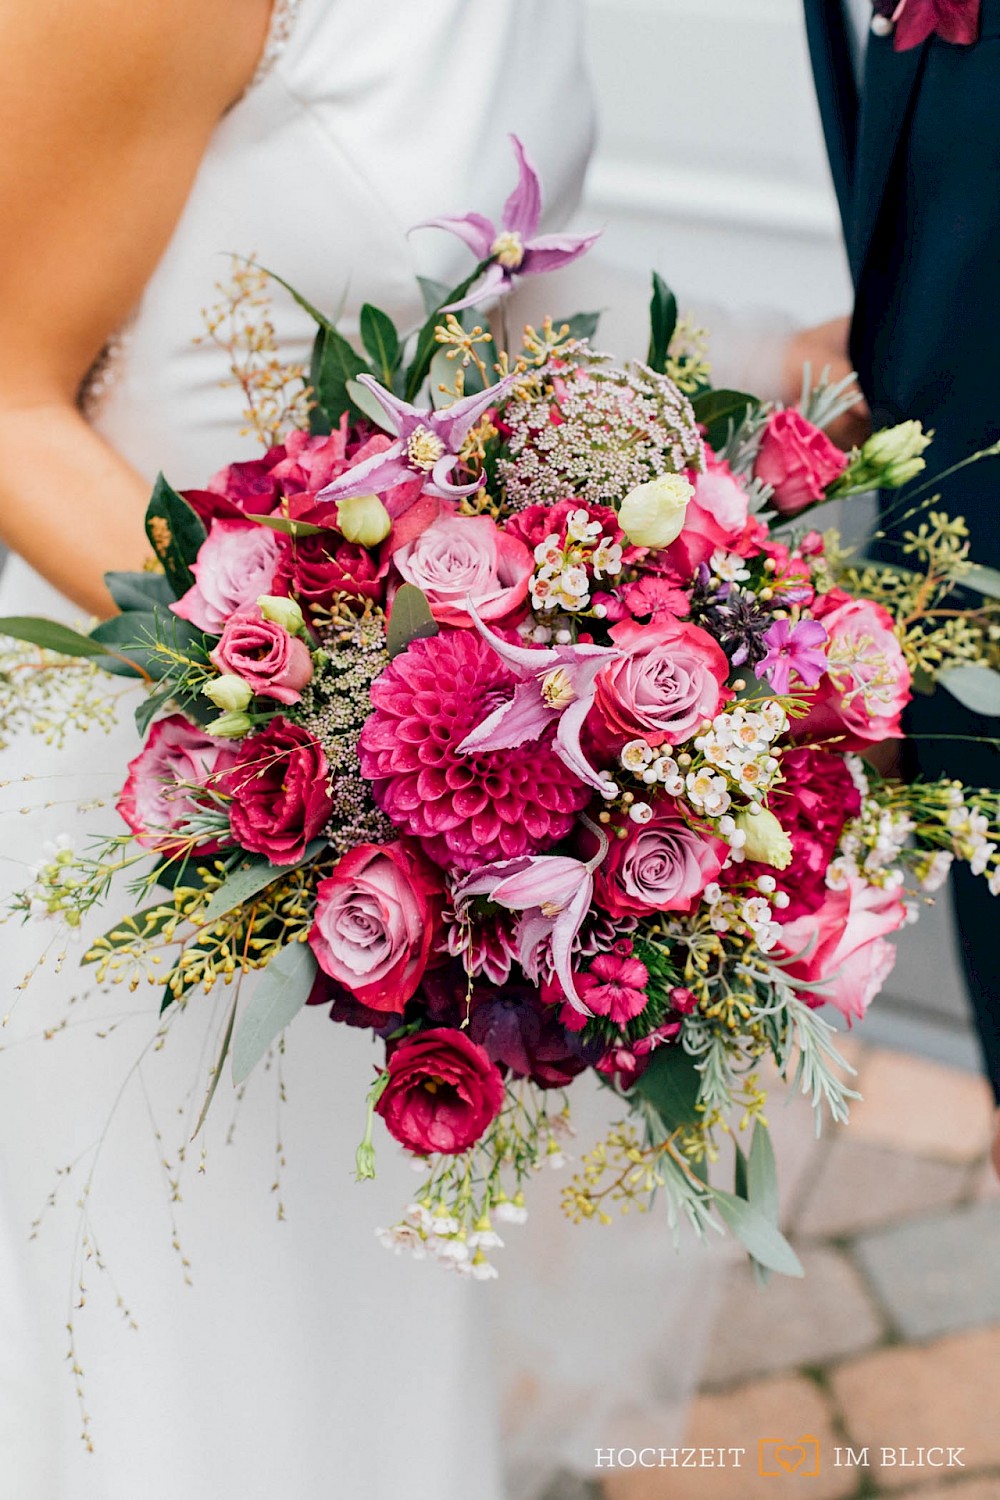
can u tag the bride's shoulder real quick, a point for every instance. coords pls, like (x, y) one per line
(206, 49)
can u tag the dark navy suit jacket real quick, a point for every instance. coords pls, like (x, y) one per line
(916, 164)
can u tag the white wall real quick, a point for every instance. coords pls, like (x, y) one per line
(710, 164)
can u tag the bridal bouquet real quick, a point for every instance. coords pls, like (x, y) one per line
(523, 723)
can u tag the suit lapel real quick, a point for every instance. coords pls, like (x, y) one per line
(890, 79)
(836, 90)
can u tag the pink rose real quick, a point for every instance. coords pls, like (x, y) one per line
(717, 517)
(443, 1092)
(236, 563)
(467, 556)
(861, 699)
(845, 944)
(167, 780)
(798, 460)
(376, 923)
(279, 784)
(269, 660)
(662, 865)
(670, 680)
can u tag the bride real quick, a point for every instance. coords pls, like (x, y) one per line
(145, 143)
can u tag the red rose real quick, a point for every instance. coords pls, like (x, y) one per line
(798, 461)
(376, 921)
(269, 660)
(280, 790)
(670, 680)
(315, 568)
(442, 1092)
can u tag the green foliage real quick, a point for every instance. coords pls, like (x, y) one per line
(757, 1233)
(420, 365)
(250, 880)
(411, 619)
(976, 688)
(139, 590)
(279, 995)
(379, 336)
(715, 410)
(49, 634)
(175, 533)
(581, 325)
(662, 323)
(671, 1084)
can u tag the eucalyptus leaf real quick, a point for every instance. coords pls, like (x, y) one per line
(249, 880)
(741, 1180)
(49, 634)
(762, 1174)
(410, 619)
(175, 533)
(983, 580)
(671, 1084)
(976, 688)
(139, 590)
(757, 1234)
(662, 323)
(281, 992)
(379, 336)
(287, 526)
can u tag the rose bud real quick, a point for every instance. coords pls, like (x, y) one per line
(652, 515)
(231, 726)
(228, 692)
(767, 843)
(282, 611)
(364, 520)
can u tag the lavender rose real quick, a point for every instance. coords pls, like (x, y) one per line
(279, 784)
(460, 557)
(662, 865)
(272, 662)
(235, 565)
(669, 681)
(167, 780)
(375, 923)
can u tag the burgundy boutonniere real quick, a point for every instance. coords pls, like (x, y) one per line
(914, 21)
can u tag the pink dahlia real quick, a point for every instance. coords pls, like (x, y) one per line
(466, 810)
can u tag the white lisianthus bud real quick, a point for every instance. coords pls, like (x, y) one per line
(232, 726)
(228, 692)
(890, 458)
(283, 612)
(364, 520)
(767, 843)
(652, 515)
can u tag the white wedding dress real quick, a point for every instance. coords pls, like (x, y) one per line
(303, 1361)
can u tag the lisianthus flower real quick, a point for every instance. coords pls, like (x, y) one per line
(557, 683)
(513, 247)
(794, 648)
(427, 446)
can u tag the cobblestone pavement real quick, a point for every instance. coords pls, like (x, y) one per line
(887, 1355)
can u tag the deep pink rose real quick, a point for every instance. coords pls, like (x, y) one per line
(167, 780)
(236, 563)
(798, 460)
(376, 923)
(812, 802)
(662, 865)
(315, 568)
(279, 784)
(861, 699)
(272, 662)
(249, 488)
(443, 1092)
(467, 556)
(845, 943)
(670, 680)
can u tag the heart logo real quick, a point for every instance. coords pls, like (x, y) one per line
(790, 1456)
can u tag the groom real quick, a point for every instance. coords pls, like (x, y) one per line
(910, 100)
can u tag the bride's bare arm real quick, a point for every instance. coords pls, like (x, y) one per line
(106, 107)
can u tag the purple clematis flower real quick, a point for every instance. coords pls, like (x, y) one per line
(514, 248)
(554, 894)
(427, 445)
(793, 648)
(556, 684)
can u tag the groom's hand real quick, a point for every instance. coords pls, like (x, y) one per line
(825, 347)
